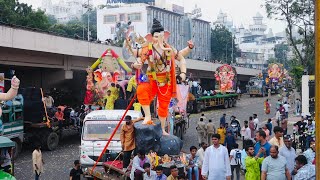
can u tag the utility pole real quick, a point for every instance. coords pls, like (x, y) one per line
(227, 53)
(87, 6)
(88, 14)
(82, 24)
(232, 48)
(317, 80)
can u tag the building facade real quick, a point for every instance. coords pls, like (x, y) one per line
(181, 27)
(222, 19)
(257, 47)
(65, 10)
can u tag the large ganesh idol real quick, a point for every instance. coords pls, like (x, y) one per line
(106, 70)
(275, 72)
(225, 76)
(161, 73)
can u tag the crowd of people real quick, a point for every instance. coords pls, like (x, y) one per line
(268, 152)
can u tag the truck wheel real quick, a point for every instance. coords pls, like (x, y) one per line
(225, 104)
(51, 141)
(230, 101)
(251, 95)
(18, 147)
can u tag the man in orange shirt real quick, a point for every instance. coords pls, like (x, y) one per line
(59, 115)
(128, 139)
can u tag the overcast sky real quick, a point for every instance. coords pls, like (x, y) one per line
(240, 11)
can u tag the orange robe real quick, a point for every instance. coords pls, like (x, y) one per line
(146, 91)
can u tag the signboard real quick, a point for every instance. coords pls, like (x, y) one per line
(1, 82)
(177, 9)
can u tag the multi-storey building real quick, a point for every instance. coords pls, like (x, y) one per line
(65, 10)
(181, 26)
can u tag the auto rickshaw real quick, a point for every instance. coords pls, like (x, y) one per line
(6, 159)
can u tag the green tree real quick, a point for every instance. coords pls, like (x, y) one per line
(92, 22)
(281, 52)
(272, 60)
(298, 15)
(52, 20)
(221, 44)
(296, 73)
(22, 14)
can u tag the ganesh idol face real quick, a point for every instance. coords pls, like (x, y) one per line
(109, 76)
(158, 36)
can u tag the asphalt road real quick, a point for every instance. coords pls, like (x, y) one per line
(59, 162)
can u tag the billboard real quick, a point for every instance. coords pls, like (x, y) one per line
(177, 9)
(130, 1)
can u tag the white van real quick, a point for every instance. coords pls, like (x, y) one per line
(97, 128)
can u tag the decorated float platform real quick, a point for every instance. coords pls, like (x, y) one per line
(113, 169)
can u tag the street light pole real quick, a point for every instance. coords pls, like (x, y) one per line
(226, 52)
(88, 14)
(232, 48)
(82, 24)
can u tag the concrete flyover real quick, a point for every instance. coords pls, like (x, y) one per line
(59, 58)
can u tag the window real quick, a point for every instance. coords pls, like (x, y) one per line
(134, 17)
(100, 130)
(122, 17)
(109, 19)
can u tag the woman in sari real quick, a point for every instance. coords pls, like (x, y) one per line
(267, 107)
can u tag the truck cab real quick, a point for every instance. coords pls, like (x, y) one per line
(97, 128)
(256, 86)
(12, 122)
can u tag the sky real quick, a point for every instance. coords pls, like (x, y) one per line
(240, 11)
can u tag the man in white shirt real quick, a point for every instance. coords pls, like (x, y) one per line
(286, 108)
(195, 88)
(200, 153)
(37, 161)
(194, 83)
(149, 174)
(256, 122)
(235, 161)
(220, 167)
(48, 101)
(137, 165)
(246, 132)
(239, 92)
